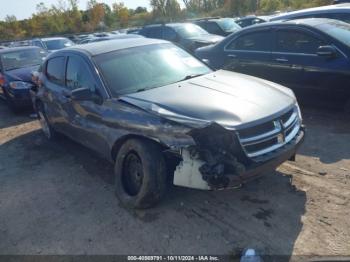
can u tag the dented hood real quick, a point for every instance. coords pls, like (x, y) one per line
(227, 98)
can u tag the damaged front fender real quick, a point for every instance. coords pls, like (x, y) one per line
(212, 161)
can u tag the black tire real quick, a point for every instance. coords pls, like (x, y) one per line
(47, 129)
(140, 174)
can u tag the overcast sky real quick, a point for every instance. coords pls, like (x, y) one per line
(25, 8)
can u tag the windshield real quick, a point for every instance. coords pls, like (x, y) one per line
(141, 68)
(228, 24)
(56, 44)
(190, 30)
(338, 30)
(23, 58)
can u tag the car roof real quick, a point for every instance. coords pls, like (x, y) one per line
(20, 48)
(53, 38)
(169, 24)
(322, 9)
(313, 22)
(246, 17)
(103, 47)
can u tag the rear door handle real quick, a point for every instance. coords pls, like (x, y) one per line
(281, 60)
(232, 56)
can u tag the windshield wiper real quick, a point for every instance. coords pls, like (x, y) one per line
(189, 77)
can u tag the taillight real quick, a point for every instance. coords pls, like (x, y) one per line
(2, 80)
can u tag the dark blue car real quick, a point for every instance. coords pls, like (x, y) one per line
(310, 56)
(16, 66)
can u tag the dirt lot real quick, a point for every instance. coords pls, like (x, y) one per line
(57, 198)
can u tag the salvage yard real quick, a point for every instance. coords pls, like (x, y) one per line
(58, 198)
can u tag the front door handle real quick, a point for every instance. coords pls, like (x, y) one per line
(232, 56)
(281, 60)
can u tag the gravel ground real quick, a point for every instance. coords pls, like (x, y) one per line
(57, 198)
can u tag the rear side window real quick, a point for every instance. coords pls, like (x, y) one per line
(78, 74)
(169, 34)
(55, 70)
(154, 32)
(259, 41)
(213, 28)
(292, 41)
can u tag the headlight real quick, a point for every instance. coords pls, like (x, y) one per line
(20, 85)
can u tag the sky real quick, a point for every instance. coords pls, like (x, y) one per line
(25, 8)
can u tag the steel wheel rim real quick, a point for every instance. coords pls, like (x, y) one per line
(132, 175)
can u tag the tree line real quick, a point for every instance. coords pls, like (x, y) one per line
(66, 18)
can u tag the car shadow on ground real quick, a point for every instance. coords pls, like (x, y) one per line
(9, 118)
(327, 134)
(264, 214)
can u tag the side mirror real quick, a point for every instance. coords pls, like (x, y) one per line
(82, 94)
(327, 51)
(85, 94)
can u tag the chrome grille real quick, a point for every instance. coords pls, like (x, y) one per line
(268, 137)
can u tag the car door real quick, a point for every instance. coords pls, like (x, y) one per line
(250, 53)
(294, 58)
(53, 86)
(85, 117)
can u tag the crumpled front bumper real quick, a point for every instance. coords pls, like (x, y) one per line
(189, 173)
(261, 168)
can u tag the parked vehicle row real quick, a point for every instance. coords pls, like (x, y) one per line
(217, 26)
(113, 37)
(187, 35)
(51, 44)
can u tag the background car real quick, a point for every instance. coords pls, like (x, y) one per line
(188, 36)
(336, 2)
(16, 67)
(311, 56)
(114, 37)
(338, 12)
(218, 26)
(52, 44)
(249, 20)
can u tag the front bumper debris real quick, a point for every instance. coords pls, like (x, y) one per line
(219, 162)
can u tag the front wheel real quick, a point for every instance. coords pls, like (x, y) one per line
(48, 131)
(140, 174)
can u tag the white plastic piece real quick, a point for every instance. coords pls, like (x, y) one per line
(187, 173)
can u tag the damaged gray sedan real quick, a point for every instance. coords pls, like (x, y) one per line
(160, 114)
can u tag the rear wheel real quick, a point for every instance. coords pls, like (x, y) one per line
(140, 174)
(48, 131)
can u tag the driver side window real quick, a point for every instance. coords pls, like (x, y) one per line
(78, 74)
(298, 42)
